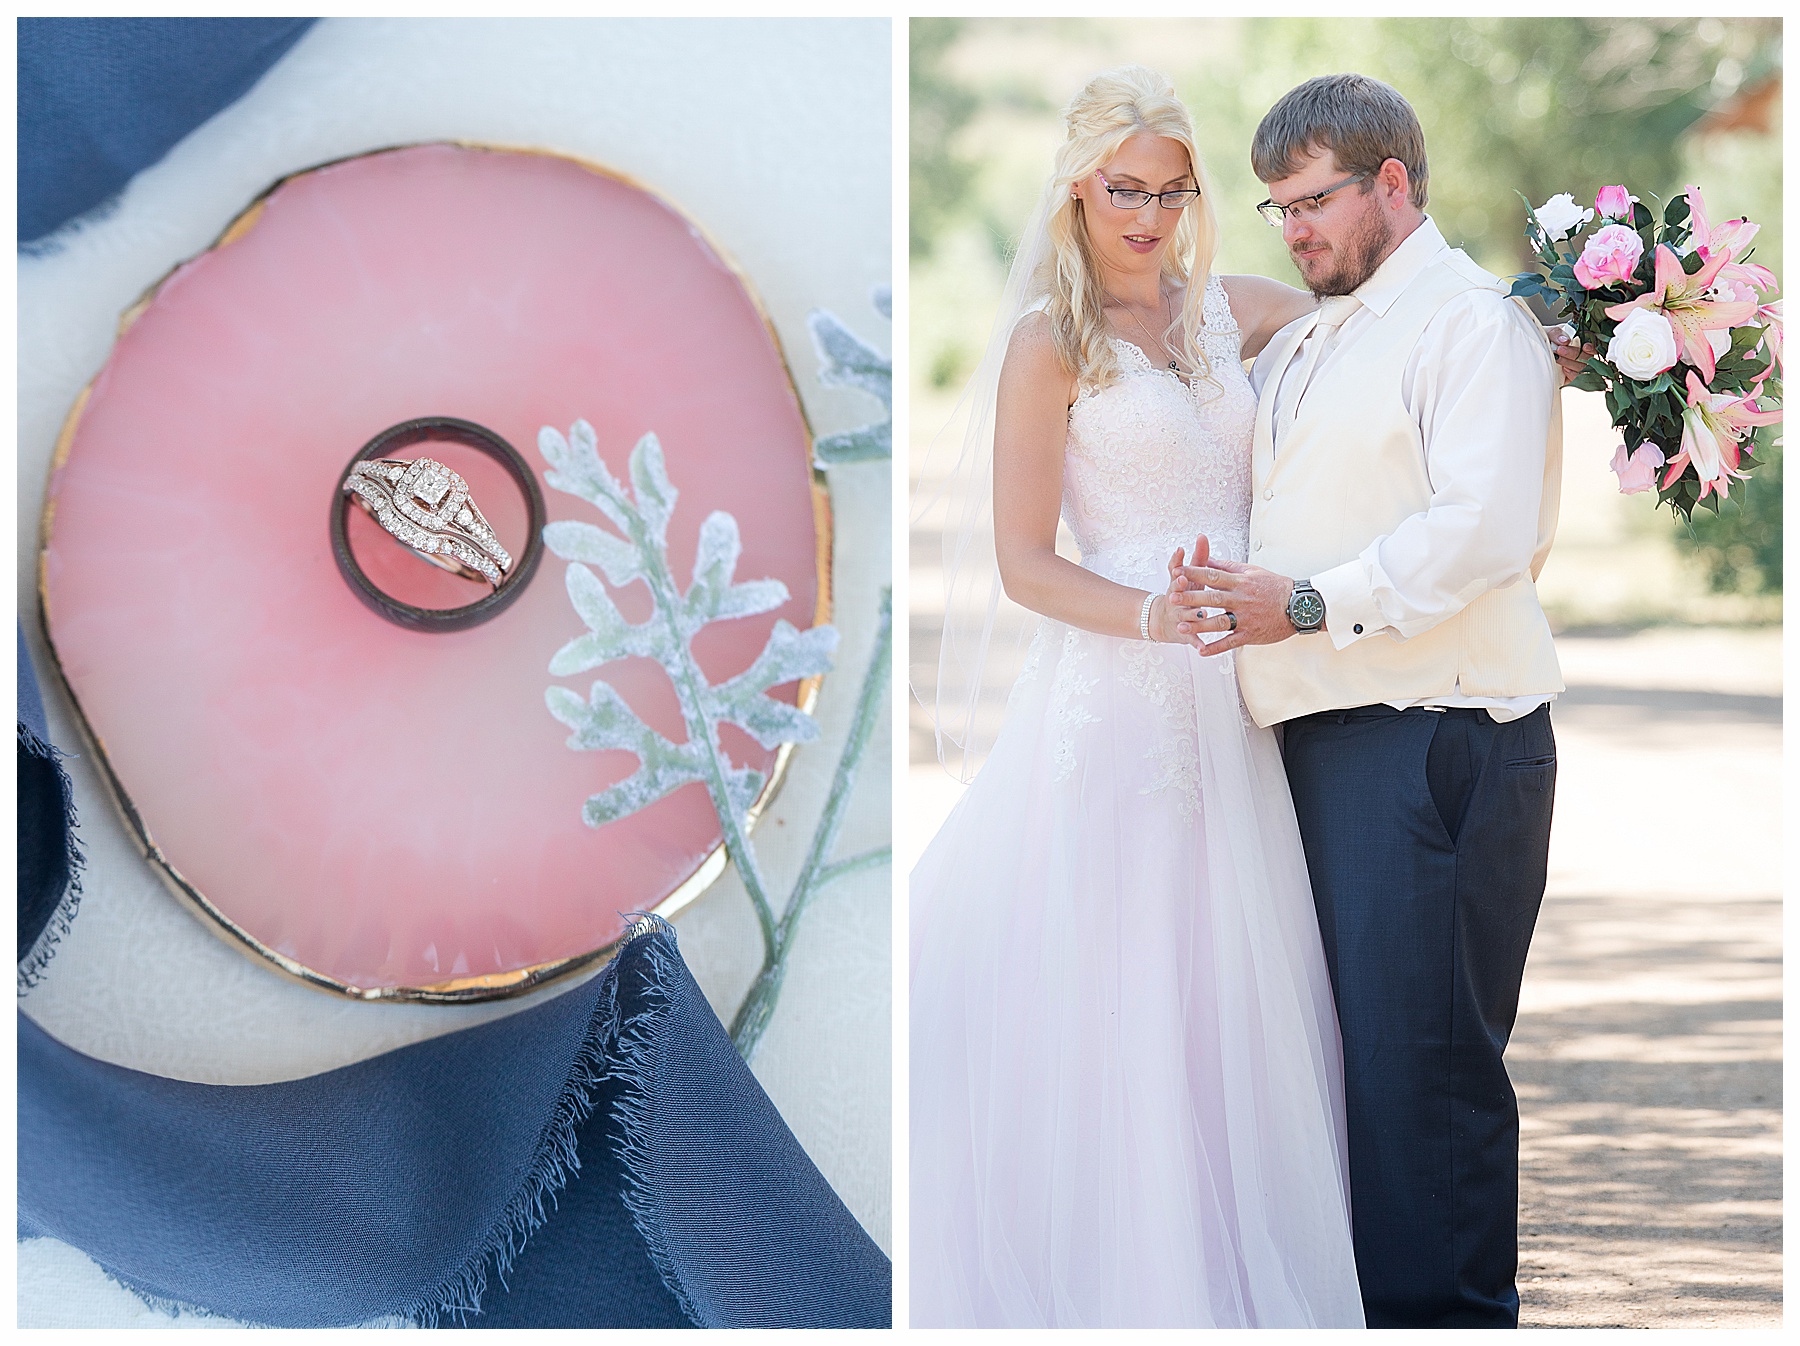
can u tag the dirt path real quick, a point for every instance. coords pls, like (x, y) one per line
(1647, 1054)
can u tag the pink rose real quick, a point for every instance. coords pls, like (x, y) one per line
(1613, 203)
(1610, 257)
(1637, 471)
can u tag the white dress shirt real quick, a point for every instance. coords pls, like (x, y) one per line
(1475, 386)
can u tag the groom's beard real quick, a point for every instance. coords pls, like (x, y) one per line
(1357, 258)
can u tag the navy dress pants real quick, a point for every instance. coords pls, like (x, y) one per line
(1427, 837)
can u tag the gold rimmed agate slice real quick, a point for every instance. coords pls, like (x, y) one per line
(250, 711)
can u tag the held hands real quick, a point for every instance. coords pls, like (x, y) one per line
(1256, 598)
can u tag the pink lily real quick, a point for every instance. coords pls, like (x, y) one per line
(1730, 239)
(1770, 315)
(1682, 299)
(1712, 427)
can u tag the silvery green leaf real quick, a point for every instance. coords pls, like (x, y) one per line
(605, 721)
(565, 706)
(576, 541)
(745, 785)
(602, 721)
(866, 445)
(638, 790)
(712, 596)
(846, 360)
(577, 469)
(789, 655)
(771, 722)
(613, 637)
(655, 493)
(750, 598)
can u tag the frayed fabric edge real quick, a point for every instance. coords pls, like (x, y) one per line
(612, 1048)
(636, 1062)
(459, 1295)
(33, 964)
(175, 1309)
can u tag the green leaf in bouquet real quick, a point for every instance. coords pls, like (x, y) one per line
(1588, 380)
(1641, 218)
(1692, 262)
(1676, 212)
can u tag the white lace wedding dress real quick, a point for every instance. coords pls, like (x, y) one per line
(1126, 1097)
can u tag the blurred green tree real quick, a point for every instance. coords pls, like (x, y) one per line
(937, 176)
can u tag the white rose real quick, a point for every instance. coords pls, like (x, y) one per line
(1560, 216)
(1643, 345)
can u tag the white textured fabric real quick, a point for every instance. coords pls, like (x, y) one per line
(739, 121)
(1475, 386)
(1126, 1097)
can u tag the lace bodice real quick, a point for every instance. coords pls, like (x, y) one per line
(1151, 461)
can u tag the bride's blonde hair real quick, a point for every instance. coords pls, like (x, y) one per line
(1109, 110)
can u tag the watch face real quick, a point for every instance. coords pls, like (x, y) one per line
(1307, 610)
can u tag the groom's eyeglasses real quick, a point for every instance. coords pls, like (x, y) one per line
(1307, 208)
(1131, 198)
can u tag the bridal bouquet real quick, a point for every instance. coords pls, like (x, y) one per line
(1689, 355)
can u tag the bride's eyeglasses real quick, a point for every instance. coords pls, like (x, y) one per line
(1131, 198)
(1307, 208)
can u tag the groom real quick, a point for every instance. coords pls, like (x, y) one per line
(1407, 459)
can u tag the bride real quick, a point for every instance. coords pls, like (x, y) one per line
(1126, 1096)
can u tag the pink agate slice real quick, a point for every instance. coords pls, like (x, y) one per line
(383, 807)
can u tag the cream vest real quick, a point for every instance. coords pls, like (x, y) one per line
(1350, 470)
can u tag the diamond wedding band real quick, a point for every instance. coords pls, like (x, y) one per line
(426, 507)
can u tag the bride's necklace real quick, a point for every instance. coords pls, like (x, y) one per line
(1174, 368)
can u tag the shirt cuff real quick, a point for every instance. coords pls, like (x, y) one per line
(1350, 611)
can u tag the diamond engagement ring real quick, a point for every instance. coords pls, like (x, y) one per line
(425, 506)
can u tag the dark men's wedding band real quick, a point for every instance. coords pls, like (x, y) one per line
(425, 507)
(1231, 618)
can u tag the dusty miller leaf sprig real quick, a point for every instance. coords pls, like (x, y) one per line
(847, 361)
(639, 552)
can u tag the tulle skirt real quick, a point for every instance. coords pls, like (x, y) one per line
(1126, 1081)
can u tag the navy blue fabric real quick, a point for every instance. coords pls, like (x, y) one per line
(317, 1202)
(45, 817)
(390, 1186)
(102, 99)
(1427, 839)
(745, 1228)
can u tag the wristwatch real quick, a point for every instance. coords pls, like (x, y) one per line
(1305, 608)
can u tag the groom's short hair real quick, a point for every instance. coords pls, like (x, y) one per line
(1362, 121)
